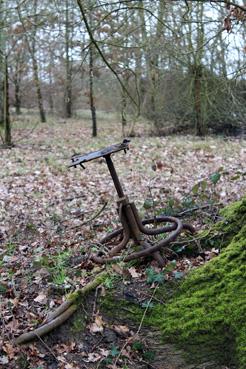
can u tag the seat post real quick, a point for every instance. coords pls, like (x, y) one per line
(114, 176)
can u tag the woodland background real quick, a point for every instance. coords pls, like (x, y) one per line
(76, 76)
(178, 64)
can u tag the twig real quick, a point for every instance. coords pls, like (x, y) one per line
(96, 344)
(28, 133)
(180, 214)
(88, 28)
(92, 218)
(74, 197)
(149, 365)
(139, 328)
(47, 347)
(146, 309)
(95, 302)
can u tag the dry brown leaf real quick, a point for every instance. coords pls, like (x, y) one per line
(134, 273)
(122, 330)
(41, 299)
(117, 269)
(10, 350)
(97, 326)
(92, 357)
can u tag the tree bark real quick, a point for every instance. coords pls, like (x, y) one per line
(91, 82)
(200, 125)
(17, 96)
(2, 62)
(31, 46)
(38, 88)
(92, 100)
(7, 125)
(152, 57)
(199, 101)
(68, 84)
(4, 83)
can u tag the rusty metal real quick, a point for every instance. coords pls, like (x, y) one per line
(133, 228)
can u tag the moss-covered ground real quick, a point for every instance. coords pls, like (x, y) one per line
(207, 315)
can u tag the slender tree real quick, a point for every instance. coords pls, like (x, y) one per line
(68, 80)
(4, 84)
(30, 34)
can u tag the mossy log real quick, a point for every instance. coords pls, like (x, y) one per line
(63, 312)
(207, 315)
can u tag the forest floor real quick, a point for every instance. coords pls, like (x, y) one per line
(44, 233)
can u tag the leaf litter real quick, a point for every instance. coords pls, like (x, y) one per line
(43, 203)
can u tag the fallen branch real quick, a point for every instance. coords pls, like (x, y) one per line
(92, 218)
(191, 210)
(63, 312)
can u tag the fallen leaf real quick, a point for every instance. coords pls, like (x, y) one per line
(122, 330)
(92, 357)
(4, 360)
(10, 350)
(117, 269)
(41, 299)
(104, 352)
(97, 326)
(134, 273)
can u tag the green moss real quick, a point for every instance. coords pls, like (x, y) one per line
(206, 316)
(233, 218)
(120, 307)
(77, 295)
(78, 324)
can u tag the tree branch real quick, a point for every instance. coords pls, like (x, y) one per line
(102, 54)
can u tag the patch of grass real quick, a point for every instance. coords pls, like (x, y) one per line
(54, 164)
(101, 115)
(56, 264)
(3, 289)
(59, 276)
(10, 248)
(21, 172)
(111, 280)
(59, 267)
(202, 145)
(31, 227)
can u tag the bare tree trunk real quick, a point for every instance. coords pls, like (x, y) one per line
(199, 101)
(92, 100)
(200, 125)
(51, 101)
(17, 103)
(221, 56)
(31, 46)
(152, 56)
(7, 125)
(4, 83)
(68, 85)
(38, 88)
(2, 62)
(123, 111)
